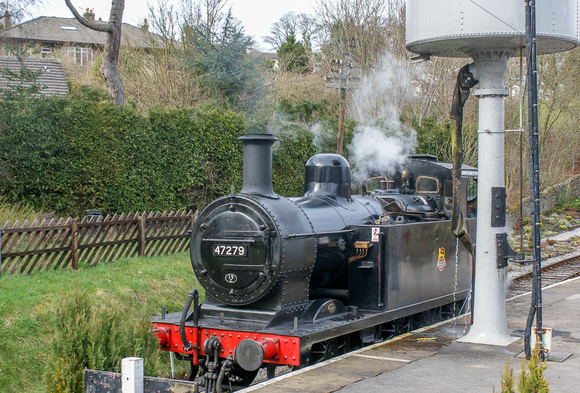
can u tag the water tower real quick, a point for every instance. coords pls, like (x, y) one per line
(489, 31)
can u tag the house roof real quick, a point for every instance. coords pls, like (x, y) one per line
(267, 55)
(51, 80)
(56, 30)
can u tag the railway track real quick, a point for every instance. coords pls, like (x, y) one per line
(561, 270)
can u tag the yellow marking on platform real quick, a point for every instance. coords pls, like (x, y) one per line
(382, 358)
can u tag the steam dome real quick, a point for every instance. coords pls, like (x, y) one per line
(327, 175)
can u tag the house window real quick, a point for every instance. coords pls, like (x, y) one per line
(81, 56)
(46, 52)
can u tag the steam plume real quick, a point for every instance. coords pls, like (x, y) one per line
(381, 142)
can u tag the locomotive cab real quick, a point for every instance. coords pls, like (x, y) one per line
(423, 189)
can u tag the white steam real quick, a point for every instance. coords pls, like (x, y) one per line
(381, 142)
(322, 136)
(281, 126)
(378, 150)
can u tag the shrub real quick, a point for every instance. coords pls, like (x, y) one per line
(59, 154)
(93, 338)
(13, 212)
(72, 154)
(533, 381)
(81, 152)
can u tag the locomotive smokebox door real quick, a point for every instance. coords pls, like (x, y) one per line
(366, 268)
(236, 267)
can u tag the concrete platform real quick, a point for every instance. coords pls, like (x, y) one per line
(416, 362)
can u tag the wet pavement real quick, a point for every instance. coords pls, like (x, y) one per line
(431, 360)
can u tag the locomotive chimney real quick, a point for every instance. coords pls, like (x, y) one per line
(258, 164)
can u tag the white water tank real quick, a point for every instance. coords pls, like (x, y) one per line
(458, 28)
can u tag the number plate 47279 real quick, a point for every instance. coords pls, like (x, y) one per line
(230, 250)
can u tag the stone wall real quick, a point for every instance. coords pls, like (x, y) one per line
(550, 198)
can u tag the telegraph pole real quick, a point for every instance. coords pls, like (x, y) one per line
(343, 80)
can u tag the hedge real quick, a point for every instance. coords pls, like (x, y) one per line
(81, 152)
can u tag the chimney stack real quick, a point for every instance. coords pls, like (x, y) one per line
(258, 164)
(89, 15)
(145, 25)
(7, 22)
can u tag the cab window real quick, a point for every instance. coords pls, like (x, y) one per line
(427, 185)
(448, 195)
(471, 198)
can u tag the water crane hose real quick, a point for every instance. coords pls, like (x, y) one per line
(465, 81)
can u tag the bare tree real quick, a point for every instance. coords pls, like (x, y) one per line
(109, 71)
(357, 27)
(15, 11)
(291, 24)
(162, 78)
(202, 16)
(164, 20)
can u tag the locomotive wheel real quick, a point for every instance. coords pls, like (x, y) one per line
(426, 318)
(451, 310)
(327, 349)
(396, 328)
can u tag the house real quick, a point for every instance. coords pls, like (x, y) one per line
(42, 36)
(270, 59)
(48, 75)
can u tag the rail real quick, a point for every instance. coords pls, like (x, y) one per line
(563, 269)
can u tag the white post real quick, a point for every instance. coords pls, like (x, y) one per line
(489, 315)
(132, 375)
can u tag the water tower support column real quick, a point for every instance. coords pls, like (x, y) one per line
(489, 313)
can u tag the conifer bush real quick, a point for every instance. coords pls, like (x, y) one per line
(531, 380)
(97, 338)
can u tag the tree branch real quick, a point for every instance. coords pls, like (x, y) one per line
(105, 27)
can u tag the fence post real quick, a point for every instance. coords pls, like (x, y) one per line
(74, 243)
(132, 375)
(141, 234)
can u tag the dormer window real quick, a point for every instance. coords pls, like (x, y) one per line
(71, 28)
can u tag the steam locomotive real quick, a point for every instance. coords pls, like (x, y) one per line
(294, 281)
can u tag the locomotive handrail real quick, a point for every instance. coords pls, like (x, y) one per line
(229, 240)
(237, 266)
(293, 235)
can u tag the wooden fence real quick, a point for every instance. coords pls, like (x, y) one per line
(53, 244)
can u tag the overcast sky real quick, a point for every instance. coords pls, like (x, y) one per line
(257, 16)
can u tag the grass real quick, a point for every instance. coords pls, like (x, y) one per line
(13, 212)
(29, 305)
(573, 204)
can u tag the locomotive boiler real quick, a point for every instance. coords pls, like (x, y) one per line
(293, 281)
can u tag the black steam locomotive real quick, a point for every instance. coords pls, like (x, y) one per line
(293, 281)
